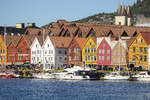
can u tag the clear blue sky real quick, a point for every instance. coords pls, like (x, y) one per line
(45, 11)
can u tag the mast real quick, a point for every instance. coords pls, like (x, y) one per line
(43, 48)
(4, 47)
(119, 51)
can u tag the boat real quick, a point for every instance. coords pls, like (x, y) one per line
(9, 75)
(43, 75)
(115, 76)
(142, 76)
(75, 73)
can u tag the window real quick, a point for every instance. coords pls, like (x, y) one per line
(104, 45)
(85, 50)
(88, 50)
(65, 52)
(78, 50)
(74, 50)
(94, 50)
(108, 51)
(141, 58)
(100, 58)
(145, 58)
(27, 50)
(103, 51)
(75, 57)
(145, 50)
(100, 51)
(85, 58)
(69, 50)
(36, 45)
(88, 58)
(95, 58)
(47, 45)
(108, 58)
(27, 58)
(141, 49)
(103, 58)
(133, 49)
(69, 58)
(59, 51)
(133, 58)
(91, 58)
(49, 51)
(90, 43)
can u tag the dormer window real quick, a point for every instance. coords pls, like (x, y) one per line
(47, 45)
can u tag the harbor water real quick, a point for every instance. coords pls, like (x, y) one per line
(36, 89)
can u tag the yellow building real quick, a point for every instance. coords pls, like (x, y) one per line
(89, 52)
(138, 51)
(3, 52)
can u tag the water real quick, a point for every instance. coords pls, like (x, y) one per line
(35, 89)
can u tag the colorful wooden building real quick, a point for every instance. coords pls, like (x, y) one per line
(119, 54)
(89, 56)
(3, 53)
(103, 51)
(74, 51)
(138, 51)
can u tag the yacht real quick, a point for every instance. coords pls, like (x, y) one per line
(75, 73)
(115, 76)
(43, 75)
(142, 76)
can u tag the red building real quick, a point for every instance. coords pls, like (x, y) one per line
(11, 43)
(103, 52)
(23, 49)
(74, 51)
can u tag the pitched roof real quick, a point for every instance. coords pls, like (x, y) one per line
(29, 39)
(61, 42)
(14, 39)
(81, 41)
(146, 36)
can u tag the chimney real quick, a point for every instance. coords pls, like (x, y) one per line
(31, 25)
(20, 25)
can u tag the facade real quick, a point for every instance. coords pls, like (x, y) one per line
(23, 49)
(89, 52)
(36, 52)
(3, 53)
(103, 51)
(12, 51)
(74, 51)
(138, 52)
(48, 58)
(119, 54)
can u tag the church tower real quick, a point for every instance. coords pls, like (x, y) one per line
(124, 16)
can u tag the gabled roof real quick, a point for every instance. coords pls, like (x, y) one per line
(29, 39)
(41, 39)
(61, 42)
(14, 39)
(81, 41)
(146, 36)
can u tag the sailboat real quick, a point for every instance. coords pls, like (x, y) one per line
(116, 75)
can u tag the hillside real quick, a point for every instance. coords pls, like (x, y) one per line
(140, 11)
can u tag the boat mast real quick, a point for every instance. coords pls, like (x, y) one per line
(119, 50)
(43, 48)
(4, 47)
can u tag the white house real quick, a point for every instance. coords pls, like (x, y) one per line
(36, 52)
(55, 51)
(48, 56)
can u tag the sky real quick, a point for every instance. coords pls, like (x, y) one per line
(43, 12)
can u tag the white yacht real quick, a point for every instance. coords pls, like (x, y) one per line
(75, 73)
(115, 76)
(43, 75)
(142, 76)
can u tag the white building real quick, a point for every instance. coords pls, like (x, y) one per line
(36, 52)
(55, 51)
